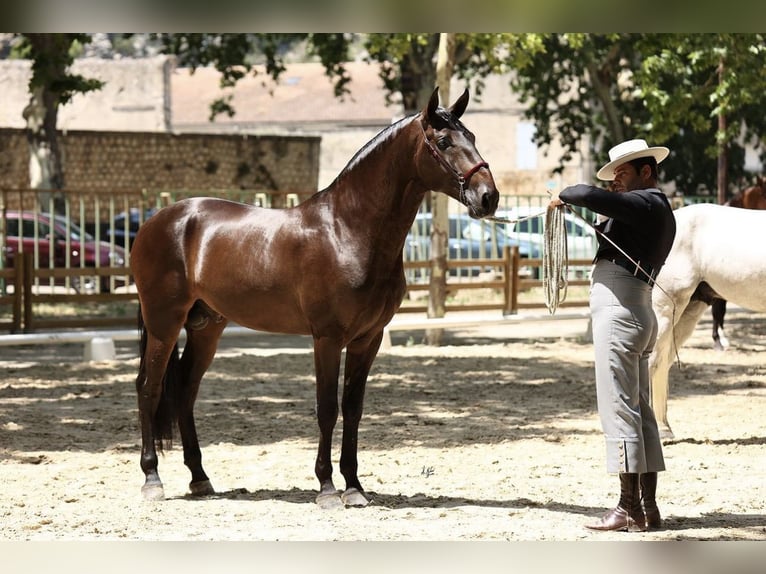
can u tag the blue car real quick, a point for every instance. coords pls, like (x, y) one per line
(117, 228)
(467, 239)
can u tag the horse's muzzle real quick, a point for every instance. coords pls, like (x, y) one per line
(488, 199)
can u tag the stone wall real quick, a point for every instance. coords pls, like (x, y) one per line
(104, 161)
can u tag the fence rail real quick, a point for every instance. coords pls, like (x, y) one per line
(50, 271)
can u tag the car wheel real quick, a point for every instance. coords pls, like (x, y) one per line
(85, 284)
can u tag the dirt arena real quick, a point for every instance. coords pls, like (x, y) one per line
(492, 436)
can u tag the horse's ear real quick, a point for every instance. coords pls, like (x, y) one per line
(460, 105)
(433, 103)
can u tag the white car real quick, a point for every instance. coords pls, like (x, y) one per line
(529, 225)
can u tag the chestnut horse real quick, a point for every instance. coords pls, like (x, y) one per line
(702, 266)
(753, 197)
(330, 267)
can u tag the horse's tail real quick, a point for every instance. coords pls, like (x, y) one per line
(166, 416)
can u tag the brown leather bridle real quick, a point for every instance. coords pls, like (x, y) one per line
(462, 178)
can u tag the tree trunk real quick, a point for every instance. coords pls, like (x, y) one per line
(45, 171)
(49, 72)
(723, 166)
(437, 289)
(610, 110)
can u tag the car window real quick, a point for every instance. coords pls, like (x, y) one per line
(75, 233)
(28, 229)
(475, 232)
(532, 225)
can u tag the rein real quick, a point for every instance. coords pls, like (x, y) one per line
(462, 178)
(653, 281)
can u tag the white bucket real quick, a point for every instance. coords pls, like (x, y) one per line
(100, 349)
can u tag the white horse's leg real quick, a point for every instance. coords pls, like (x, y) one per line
(659, 365)
(665, 351)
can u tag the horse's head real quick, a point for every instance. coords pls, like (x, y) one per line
(451, 162)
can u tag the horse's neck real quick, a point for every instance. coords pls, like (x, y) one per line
(382, 189)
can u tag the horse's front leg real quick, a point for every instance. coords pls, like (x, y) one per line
(327, 354)
(360, 355)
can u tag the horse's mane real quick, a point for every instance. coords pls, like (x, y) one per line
(387, 133)
(390, 132)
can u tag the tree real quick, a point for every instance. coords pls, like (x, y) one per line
(53, 85)
(237, 55)
(666, 88)
(50, 86)
(706, 88)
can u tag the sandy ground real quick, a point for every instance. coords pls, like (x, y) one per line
(492, 436)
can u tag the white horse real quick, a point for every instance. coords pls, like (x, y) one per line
(718, 252)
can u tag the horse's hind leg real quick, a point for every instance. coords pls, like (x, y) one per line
(718, 309)
(198, 354)
(670, 339)
(155, 405)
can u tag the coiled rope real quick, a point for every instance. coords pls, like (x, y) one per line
(555, 264)
(555, 258)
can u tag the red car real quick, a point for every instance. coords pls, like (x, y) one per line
(48, 234)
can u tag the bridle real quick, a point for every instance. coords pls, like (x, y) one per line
(462, 178)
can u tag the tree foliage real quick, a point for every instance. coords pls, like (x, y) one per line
(670, 89)
(665, 88)
(236, 56)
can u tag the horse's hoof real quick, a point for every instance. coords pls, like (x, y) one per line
(153, 492)
(201, 488)
(666, 434)
(354, 497)
(329, 500)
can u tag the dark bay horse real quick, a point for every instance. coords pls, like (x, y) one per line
(753, 197)
(330, 268)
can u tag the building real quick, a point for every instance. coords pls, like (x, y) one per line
(152, 95)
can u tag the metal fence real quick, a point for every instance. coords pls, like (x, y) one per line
(73, 270)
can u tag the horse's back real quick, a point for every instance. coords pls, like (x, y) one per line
(708, 225)
(722, 246)
(173, 239)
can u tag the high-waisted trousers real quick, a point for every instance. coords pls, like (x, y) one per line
(624, 332)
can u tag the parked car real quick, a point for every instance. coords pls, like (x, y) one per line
(117, 227)
(529, 228)
(46, 234)
(467, 239)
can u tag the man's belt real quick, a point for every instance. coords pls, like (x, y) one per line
(648, 274)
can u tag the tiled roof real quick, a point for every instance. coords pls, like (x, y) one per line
(302, 99)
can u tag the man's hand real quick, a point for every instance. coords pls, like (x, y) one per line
(555, 202)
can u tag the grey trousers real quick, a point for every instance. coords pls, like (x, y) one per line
(624, 333)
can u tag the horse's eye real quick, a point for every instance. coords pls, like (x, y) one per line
(443, 143)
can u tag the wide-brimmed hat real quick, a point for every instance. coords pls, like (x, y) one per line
(628, 151)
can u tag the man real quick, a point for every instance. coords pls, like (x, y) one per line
(634, 241)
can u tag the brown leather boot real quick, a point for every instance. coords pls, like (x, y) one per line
(648, 483)
(628, 514)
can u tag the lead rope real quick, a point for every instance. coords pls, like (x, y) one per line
(555, 265)
(555, 259)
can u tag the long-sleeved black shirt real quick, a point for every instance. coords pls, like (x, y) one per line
(641, 222)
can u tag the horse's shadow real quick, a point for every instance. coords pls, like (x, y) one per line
(390, 501)
(400, 501)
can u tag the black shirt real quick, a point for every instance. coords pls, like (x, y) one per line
(641, 222)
